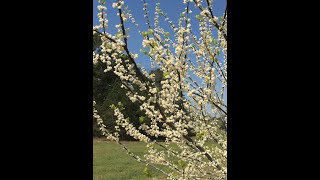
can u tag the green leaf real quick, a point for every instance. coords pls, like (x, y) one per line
(154, 44)
(200, 135)
(215, 41)
(144, 33)
(141, 119)
(166, 75)
(120, 106)
(199, 17)
(150, 31)
(123, 56)
(167, 34)
(112, 106)
(144, 51)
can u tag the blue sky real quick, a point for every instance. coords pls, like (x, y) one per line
(172, 7)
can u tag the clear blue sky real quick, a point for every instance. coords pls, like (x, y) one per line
(172, 7)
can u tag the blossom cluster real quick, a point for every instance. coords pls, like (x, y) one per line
(191, 97)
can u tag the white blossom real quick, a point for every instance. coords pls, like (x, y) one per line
(190, 96)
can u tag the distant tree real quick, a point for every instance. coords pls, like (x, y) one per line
(107, 91)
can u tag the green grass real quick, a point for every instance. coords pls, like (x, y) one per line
(112, 162)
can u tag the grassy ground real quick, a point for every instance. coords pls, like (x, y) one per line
(111, 162)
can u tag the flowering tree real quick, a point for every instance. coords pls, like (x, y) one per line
(191, 97)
